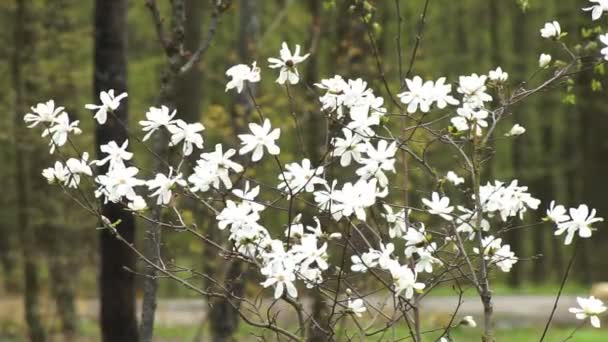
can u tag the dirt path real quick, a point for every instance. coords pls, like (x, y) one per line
(511, 311)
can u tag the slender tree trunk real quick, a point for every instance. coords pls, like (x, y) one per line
(593, 170)
(167, 97)
(117, 285)
(22, 54)
(61, 272)
(224, 316)
(8, 259)
(514, 237)
(316, 141)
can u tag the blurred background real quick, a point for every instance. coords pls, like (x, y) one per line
(51, 245)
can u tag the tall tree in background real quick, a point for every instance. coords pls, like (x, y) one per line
(318, 325)
(224, 318)
(117, 285)
(23, 54)
(179, 63)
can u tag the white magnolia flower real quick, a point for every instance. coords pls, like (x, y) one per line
(60, 131)
(498, 75)
(441, 94)
(516, 130)
(44, 112)
(248, 196)
(117, 155)
(604, 40)
(589, 308)
(334, 97)
(241, 73)
(109, 103)
(405, 281)
(468, 321)
(163, 185)
(504, 258)
(349, 148)
(418, 96)
(421, 95)
(355, 198)
(287, 63)
(385, 258)
(453, 178)
(157, 118)
(365, 261)
(580, 221)
(544, 60)
(188, 133)
(118, 183)
(307, 252)
(557, 213)
(426, 259)
(379, 159)
(137, 204)
(56, 174)
(598, 9)
(439, 206)
(414, 237)
(236, 216)
(297, 177)
(356, 307)
(397, 221)
(473, 88)
(551, 30)
(77, 167)
(465, 223)
(261, 137)
(282, 278)
(508, 201)
(213, 168)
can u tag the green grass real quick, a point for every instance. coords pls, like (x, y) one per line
(89, 331)
(524, 289)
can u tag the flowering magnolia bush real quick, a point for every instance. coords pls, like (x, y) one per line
(452, 235)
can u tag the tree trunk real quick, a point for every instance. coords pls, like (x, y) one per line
(62, 265)
(117, 285)
(23, 54)
(224, 316)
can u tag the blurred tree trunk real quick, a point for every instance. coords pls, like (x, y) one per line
(315, 142)
(117, 285)
(23, 54)
(189, 86)
(62, 266)
(593, 170)
(8, 259)
(224, 315)
(514, 237)
(59, 26)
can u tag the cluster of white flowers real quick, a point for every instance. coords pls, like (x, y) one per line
(404, 277)
(69, 174)
(579, 220)
(354, 98)
(497, 253)
(422, 95)
(301, 254)
(506, 200)
(56, 121)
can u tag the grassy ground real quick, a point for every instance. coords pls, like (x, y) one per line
(89, 332)
(525, 289)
